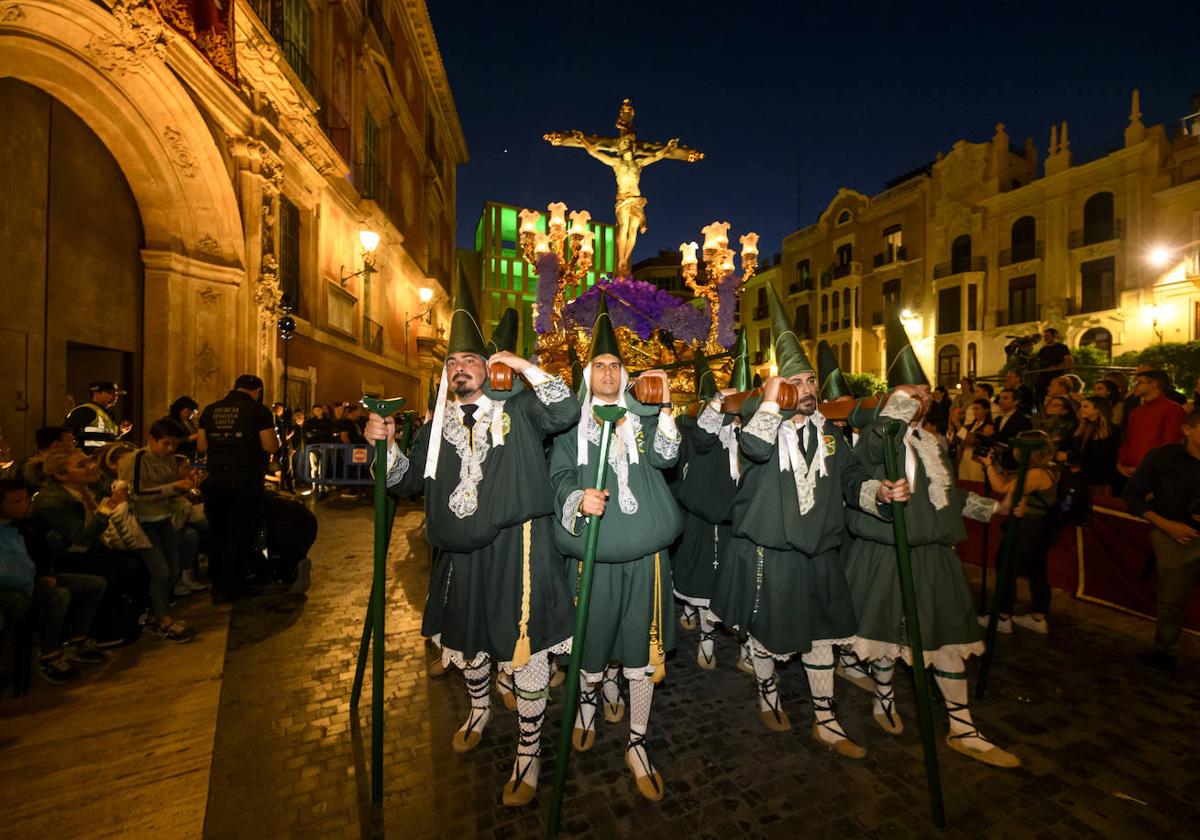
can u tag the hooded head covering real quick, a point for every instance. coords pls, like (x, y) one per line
(706, 382)
(833, 382)
(504, 337)
(739, 377)
(604, 337)
(902, 365)
(576, 367)
(790, 358)
(465, 337)
(604, 341)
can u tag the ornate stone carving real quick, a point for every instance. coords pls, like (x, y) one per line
(142, 38)
(209, 246)
(208, 296)
(12, 14)
(180, 154)
(208, 363)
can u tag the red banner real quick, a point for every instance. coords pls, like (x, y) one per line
(208, 24)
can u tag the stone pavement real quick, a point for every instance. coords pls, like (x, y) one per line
(1091, 726)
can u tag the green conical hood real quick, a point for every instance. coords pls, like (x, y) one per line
(790, 358)
(504, 337)
(604, 337)
(465, 336)
(833, 382)
(739, 377)
(432, 392)
(902, 365)
(576, 366)
(706, 382)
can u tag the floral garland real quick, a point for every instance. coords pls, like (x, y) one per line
(640, 306)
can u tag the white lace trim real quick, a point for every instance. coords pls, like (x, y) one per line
(617, 459)
(900, 406)
(710, 420)
(570, 512)
(729, 440)
(689, 599)
(552, 390)
(790, 459)
(666, 446)
(927, 449)
(764, 425)
(397, 466)
(459, 660)
(980, 508)
(872, 649)
(758, 647)
(643, 673)
(867, 494)
(472, 452)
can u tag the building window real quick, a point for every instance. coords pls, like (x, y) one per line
(845, 308)
(1098, 218)
(833, 317)
(844, 218)
(972, 357)
(972, 306)
(803, 276)
(760, 304)
(960, 254)
(949, 312)
(949, 363)
(893, 241)
(1098, 284)
(824, 312)
(846, 365)
(891, 294)
(844, 254)
(803, 328)
(764, 346)
(289, 251)
(1097, 337)
(857, 314)
(1022, 300)
(370, 182)
(1024, 239)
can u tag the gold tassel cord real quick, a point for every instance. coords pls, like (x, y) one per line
(656, 643)
(522, 653)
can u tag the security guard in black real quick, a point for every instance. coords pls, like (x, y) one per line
(231, 427)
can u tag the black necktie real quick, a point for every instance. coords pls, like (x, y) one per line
(810, 445)
(469, 415)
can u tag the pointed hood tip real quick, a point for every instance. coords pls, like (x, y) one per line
(790, 358)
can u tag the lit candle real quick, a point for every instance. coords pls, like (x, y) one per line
(529, 220)
(541, 243)
(688, 253)
(749, 244)
(716, 235)
(579, 222)
(585, 244)
(558, 213)
(727, 263)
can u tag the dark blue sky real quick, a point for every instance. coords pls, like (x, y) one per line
(839, 94)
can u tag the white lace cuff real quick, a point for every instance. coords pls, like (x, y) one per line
(900, 407)
(551, 389)
(666, 438)
(535, 376)
(764, 425)
(710, 420)
(867, 499)
(979, 508)
(571, 517)
(397, 465)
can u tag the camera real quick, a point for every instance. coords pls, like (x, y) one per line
(993, 449)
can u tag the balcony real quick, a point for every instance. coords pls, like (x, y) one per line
(826, 279)
(372, 335)
(799, 286)
(1091, 303)
(337, 129)
(760, 358)
(890, 257)
(373, 10)
(1028, 315)
(949, 269)
(1097, 233)
(371, 184)
(876, 318)
(841, 270)
(1022, 253)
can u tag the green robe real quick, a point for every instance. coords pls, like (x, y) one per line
(477, 598)
(705, 493)
(781, 579)
(944, 604)
(631, 609)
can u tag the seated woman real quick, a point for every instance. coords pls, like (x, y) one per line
(1058, 421)
(1037, 530)
(1093, 447)
(970, 469)
(77, 519)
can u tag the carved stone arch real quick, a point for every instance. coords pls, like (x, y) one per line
(109, 68)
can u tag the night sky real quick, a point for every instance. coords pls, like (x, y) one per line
(789, 100)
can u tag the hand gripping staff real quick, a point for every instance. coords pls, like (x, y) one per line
(912, 625)
(1005, 572)
(608, 415)
(385, 511)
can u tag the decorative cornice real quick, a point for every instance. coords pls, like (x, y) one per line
(426, 43)
(141, 38)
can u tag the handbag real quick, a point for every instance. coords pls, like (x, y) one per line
(124, 532)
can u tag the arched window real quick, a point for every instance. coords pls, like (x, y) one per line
(1024, 239)
(833, 319)
(845, 308)
(824, 312)
(857, 312)
(1098, 218)
(948, 365)
(960, 254)
(1097, 337)
(844, 217)
(846, 364)
(972, 358)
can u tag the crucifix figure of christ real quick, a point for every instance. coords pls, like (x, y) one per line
(627, 156)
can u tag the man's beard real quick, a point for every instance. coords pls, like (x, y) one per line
(462, 387)
(807, 406)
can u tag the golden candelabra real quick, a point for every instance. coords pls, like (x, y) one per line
(573, 249)
(718, 264)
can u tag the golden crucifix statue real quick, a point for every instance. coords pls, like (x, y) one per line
(627, 157)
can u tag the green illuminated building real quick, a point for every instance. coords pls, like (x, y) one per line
(504, 278)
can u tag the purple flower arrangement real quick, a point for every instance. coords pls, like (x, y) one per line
(547, 271)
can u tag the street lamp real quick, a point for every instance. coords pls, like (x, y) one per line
(425, 295)
(369, 240)
(287, 328)
(1155, 311)
(1159, 256)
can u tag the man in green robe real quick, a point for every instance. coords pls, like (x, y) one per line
(781, 580)
(708, 482)
(497, 589)
(630, 617)
(934, 514)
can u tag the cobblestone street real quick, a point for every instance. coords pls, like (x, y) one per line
(1109, 749)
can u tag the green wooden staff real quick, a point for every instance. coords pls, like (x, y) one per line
(912, 624)
(608, 416)
(1005, 572)
(384, 408)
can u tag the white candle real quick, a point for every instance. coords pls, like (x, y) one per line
(749, 244)
(585, 243)
(558, 212)
(529, 220)
(541, 242)
(716, 235)
(579, 222)
(687, 251)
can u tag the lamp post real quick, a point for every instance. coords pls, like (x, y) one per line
(287, 328)
(718, 264)
(369, 240)
(425, 295)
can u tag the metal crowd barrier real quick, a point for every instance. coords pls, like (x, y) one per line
(336, 465)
